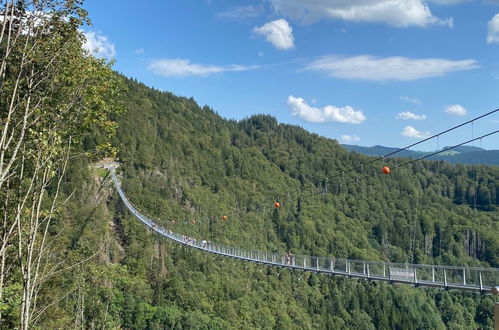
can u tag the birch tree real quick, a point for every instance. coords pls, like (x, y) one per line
(51, 94)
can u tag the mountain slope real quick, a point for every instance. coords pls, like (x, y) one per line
(460, 155)
(186, 166)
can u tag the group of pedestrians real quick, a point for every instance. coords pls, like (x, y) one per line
(184, 238)
(289, 259)
(189, 240)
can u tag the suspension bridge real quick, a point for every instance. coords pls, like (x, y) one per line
(477, 279)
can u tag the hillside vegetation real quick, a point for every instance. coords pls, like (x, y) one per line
(460, 155)
(182, 162)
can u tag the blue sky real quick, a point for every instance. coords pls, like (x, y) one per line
(363, 72)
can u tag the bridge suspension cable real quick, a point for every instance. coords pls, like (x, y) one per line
(476, 279)
(377, 159)
(364, 176)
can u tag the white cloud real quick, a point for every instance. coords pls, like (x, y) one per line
(140, 51)
(29, 20)
(279, 33)
(177, 67)
(326, 114)
(400, 13)
(493, 30)
(366, 67)
(98, 45)
(349, 138)
(410, 131)
(240, 12)
(410, 99)
(407, 115)
(456, 109)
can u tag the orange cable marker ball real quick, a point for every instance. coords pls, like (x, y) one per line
(277, 205)
(386, 170)
(224, 218)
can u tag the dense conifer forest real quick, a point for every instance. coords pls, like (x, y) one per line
(72, 256)
(182, 162)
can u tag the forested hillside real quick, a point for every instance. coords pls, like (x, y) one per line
(186, 166)
(73, 257)
(462, 155)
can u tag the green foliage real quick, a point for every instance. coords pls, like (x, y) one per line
(182, 162)
(52, 95)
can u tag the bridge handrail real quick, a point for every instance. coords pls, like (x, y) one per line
(469, 278)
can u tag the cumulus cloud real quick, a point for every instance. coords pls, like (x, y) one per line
(410, 99)
(400, 13)
(366, 67)
(493, 30)
(456, 110)
(279, 33)
(178, 67)
(98, 45)
(349, 138)
(407, 115)
(326, 114)
(240, 12)
(410, 131)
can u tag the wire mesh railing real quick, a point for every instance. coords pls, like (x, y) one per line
(449, 277)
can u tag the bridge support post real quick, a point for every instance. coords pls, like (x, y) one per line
(495, 292)
(433, 274)
(389, 274)
(445, 278)
(368, 273)
(384, 270)
(496, 316)
(364, 270)
(304, 263)
(480, 279)
(332, 265)
(415, 276)
(348, 267)
(464, 276)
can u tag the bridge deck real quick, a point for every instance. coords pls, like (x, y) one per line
(476, 279)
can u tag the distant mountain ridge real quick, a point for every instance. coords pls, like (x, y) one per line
(463, 154)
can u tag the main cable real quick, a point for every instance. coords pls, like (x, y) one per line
(363, 176)
(361, 166)
(304, 187)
